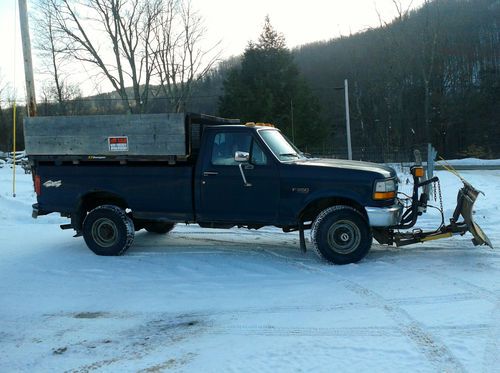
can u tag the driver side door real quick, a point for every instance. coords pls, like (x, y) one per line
(224, 196)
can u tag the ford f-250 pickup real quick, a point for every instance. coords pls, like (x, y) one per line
(113, 175)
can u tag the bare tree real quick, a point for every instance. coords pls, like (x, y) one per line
(53, 52)
(7, 99)
(180, 58)
(136, 44)
(3, 85)
(427, 40)
(114, 36)
(401, 9)
(428, 58)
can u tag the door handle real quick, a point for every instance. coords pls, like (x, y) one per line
(210, 173)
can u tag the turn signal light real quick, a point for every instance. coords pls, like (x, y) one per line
(417, 171)
(253, 124)
(384, 195)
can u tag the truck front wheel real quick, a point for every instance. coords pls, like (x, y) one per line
(108, 230)
(341, 235)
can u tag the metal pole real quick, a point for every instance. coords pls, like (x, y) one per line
(293, 130)
(431, 156)
(28, 64)
(14, 149)
(347, 120)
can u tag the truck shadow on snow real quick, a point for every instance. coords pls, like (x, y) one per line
(274, 245)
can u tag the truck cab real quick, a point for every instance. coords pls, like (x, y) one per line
(251, 175)
(267, 180)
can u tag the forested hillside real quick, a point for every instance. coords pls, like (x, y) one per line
(431, 75)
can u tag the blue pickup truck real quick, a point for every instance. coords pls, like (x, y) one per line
(114, 175)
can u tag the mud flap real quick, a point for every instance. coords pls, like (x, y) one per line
(465, 202)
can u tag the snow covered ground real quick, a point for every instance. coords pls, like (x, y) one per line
(235, 300)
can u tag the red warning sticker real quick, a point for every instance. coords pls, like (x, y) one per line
(118, 144)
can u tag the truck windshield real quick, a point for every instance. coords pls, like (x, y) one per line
(280, 145)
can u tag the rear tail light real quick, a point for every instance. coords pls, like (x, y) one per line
(38, 185)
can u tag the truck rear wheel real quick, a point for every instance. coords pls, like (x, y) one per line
(108, 230)
(158, 227)
(341, 235)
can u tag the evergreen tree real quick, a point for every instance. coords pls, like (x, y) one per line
(267, 87)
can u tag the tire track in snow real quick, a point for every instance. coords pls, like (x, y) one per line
(141, 344)
(483, 293)
(463, 330)
(436, 352)
(281, 331)
(433, 299)
(340, 306)
(491, 360)
(279, 309)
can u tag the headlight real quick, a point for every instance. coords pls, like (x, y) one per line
(385, 189)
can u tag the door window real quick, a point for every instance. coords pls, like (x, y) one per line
(226, 144)
(258, 157)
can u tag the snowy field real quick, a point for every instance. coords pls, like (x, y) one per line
(245, 301)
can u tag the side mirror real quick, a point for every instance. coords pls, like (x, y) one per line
(241, 156)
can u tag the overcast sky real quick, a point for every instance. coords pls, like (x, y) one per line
(234, 23)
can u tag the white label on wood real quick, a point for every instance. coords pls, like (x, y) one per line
(118, 144)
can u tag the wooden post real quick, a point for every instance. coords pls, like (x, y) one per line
(28, 64)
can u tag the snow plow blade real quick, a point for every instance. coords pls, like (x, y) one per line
(465, 202)
(466, 198)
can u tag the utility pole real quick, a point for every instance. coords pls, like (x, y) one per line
(347, 120)
(28, 64)
(347, 117)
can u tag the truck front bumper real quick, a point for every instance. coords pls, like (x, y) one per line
(384, 216)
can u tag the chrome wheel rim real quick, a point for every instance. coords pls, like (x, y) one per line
(344, 237)
(104, 232)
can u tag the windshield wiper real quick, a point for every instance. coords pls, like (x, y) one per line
(290, 155)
